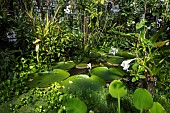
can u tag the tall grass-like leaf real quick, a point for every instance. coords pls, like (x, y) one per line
(154, 38)
(142, 99)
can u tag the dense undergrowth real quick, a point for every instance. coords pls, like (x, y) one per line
(67, 57)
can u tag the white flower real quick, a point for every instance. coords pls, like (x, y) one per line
(113, 50)
(37, 47)
(149, 27)
(89, 65)
(70, 82)
(67, 10)
(159, 20)
(167, 44)
(115, 9)
(131, 5)
(168, 28)
(133, 22)
(125, 64)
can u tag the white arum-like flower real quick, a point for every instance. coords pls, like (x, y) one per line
(159, 20)
(133, 22)
(67, 10)
(149, 27)
(167, 44)
(89, 65)
(126, 64)
(37, 47)
(113, 50)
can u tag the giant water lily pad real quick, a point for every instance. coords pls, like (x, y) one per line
(83, 82)
(82, 66)
(125, 54)
(64, 65)
(44, 79)
(115, 60)
(107, 74)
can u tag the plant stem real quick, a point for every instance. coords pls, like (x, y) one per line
(141, 110)
(118, 105)
(85, 29)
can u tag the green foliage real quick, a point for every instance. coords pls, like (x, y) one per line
(75, 105)
(117, 89)
(65, 65)
(41, 100)
(43, 38)
(44, 79)
(157, 108)
(107, 74)
(116, 60)
(142, 99)
(82, 82)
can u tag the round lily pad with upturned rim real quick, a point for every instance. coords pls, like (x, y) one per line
(107, 74)
(82, 66)
(83, 82)
(115, 60)
(65, 65)
(44, 79)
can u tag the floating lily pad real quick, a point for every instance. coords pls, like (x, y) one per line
(115, 60)
(117, 71)
(125, 54)
(64, 65)
(44, 79)
(83, 82)
(82, 66)
(107, 74)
